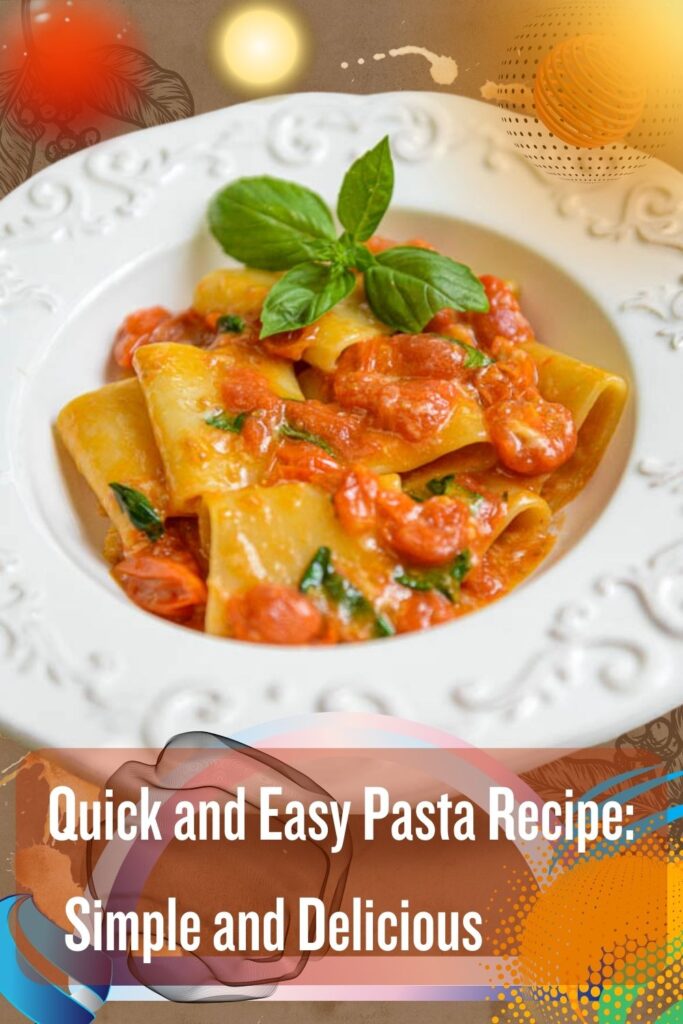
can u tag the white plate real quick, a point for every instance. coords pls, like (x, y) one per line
(588, 647)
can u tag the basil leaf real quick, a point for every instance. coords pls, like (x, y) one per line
(320, 575)
(140, 511)
(303, 295)
(450, 486)
(366, 192)
(407, 286)
(287, 430)
(271, 224)
(230, 324)
(383, 627)
(316, 570)
(223, 421)
(446, 581)
(474, 357)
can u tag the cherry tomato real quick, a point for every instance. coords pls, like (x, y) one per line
(414, 409)
(443, 321)
(423, 355)
(485, 582)
(374, 355)
(504, 318)
(378, 244)
(355, 501)
(260, 430)
(288, 344)
(513, 374)
(403, 355)
(137, 330)
(531, 435)
(162, 585)
(186, 328)
(299, 460)
(340, 429)
(244, 390)
(271, 613)
(430, 533)
(420, 611)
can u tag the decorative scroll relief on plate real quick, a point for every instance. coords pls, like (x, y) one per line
(110, 184)
(648, 211)
(575, 656)
(16, 291)
(665, 303)
(190, 707)
(299, 135)
(28, 647)
(349, 698)
(221, 707)
(119, 180)
(651, 211)
(667, 475)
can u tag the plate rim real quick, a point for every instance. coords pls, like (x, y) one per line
(650, 308)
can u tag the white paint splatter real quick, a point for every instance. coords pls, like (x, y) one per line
(443, 69)
(345, 64)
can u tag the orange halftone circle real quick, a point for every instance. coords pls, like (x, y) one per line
(604, 922)
(587, 92)
(626, 85)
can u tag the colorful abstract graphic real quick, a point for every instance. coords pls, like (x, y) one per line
(594, 937)
(39, 976)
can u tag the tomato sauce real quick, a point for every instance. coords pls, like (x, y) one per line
(406, 386)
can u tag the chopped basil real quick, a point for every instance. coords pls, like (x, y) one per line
(474, 357)
(223, 421)
(140, 511)
(230, 324)
(294, 434)
(446, 581)
(320, 575)
(450, 486)
(383, 627)
(316, 570)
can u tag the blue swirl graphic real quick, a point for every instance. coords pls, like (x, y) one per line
(21, 983)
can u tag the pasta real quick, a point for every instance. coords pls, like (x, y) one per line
(182, 388)
(595, 399)
(109, 437)
(336, 482)
(244, 291)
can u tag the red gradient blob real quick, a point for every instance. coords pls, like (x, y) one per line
(62, 42)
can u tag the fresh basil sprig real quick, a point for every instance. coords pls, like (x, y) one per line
(139, 510)
(366, 192)
(320, 574)
(279, 225)
(303, 295)
(271, 224)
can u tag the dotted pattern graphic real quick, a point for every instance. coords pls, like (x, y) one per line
(573, 106)
(601, 943)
